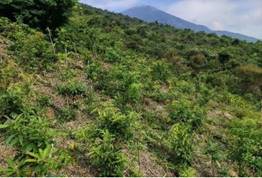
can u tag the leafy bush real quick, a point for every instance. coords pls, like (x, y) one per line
(135, 92)
(44, 101)
(41, 55)
(40, 14)
(66, 114)
(118, 124)
(180, 143)
(10, 102)
(184, 111)
(160, 71)
(28, 132)
(72, 88)
(112, 55)
(246, 145)
(186, 171)
(251, 78)
(44, 162)
(105, 157)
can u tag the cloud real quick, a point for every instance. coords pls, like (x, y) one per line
(113, 5)
(242, 16)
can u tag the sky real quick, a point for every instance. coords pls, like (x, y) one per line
(241, 16)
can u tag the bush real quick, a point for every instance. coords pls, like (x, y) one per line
(186, 171)
(118, 124)
(135, 92)
(27, 132)
(251, 79)
(160, 71)
(40, 163)
(184, 111)
(246, 145)
(66, 114)
(39, 14)
(72, 88)
(10, 103)
(180, 143)
(105, 157)
(40, 56)
(112, 55)
(44, 101)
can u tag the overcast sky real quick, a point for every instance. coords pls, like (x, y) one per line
(242, 16)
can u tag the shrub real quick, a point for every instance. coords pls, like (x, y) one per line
(160, 71)
(27, 132)
(105, 157)
(72, 88)
(40, 163)
(44, 101)
(134, 92)
(118, 124)
(187, 112)
(40, 56)
(40, 14)
(96, 73)
(180, 143)
(66, 114)
(246, 145)
(112, 55)
(224, 57)
(251, 78)
(10, 102)
(186, 171)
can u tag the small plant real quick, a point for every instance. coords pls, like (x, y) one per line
(44, 101)
(66, 114)
(180, 143)
(246, 145)
(187, 171)
(28, 132)
(40, 56)
(160, 71)
(112, 55)
(134, 92)
(40, 163)
(105, 157)
(43, 162)
(118, 124)
(10, 102)
(186, 112)
(215, 154)
(94, 70)
(72, 88)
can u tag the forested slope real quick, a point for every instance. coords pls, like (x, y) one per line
(107, 95)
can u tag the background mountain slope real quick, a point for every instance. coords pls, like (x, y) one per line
(109, 95)
(151, 14)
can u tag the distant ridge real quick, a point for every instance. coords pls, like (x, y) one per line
(152, 14)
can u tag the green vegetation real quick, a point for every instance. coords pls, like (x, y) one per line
(42, 14)
(113, 96)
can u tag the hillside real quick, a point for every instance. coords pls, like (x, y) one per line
(108, 95)
(151, 14)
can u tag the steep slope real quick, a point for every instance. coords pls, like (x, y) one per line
(114, 96)
(151, 14)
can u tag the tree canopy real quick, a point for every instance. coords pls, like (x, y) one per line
(37, 13)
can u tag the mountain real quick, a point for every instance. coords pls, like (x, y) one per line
(152, 14)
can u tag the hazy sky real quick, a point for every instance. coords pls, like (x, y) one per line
(242, 16)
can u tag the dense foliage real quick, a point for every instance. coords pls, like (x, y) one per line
(36, 13)
(114, 96)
